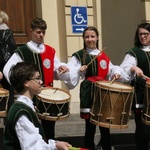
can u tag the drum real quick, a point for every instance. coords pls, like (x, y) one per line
(112, 105)
(4, 95)
(146, 108)
(53, 104)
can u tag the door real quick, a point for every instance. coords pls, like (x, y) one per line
(20, 13)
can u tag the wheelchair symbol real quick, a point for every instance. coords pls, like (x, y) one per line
(78, 18)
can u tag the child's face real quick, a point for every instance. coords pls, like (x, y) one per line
(90, 39)
(38, 35)
(35, 84)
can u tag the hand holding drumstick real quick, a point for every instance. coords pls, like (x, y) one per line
(63, 69)
(116, 76)
(139, 72)
(84, 67)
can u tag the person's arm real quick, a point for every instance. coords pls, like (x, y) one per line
(118, 73)
(59, 68)
(128, 62)
(14, 59)
(30, 138)
(72, 77)
(74, 73)
(1, 75)
(12, 41)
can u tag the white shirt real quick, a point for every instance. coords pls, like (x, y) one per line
(15, 58)
(74, 69)
(28, 134)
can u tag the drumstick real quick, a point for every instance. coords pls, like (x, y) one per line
(95, 56)
(60, 72)
(76, 148)
(146, 77)
(111, 82)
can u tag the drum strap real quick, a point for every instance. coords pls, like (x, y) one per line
(48, 64)
(95, 78)
(103, 65)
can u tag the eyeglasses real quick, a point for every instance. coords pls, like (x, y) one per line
(37, 79)
(145, 34)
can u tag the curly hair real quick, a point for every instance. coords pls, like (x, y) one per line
(3, 17)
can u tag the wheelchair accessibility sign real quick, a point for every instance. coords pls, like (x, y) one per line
(79, 19)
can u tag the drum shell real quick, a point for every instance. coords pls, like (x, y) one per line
(4, 95)
(51, 109)
(112, 105)
(146, 109)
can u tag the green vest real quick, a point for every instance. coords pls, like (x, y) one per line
(28, 55)
(143, 59)
(86, 87)
(11, 141)
(143, 62)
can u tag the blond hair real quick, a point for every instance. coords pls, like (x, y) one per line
(3, 17)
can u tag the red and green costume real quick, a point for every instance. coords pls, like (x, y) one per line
(97, 70)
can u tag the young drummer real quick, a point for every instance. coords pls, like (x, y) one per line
(23, 129)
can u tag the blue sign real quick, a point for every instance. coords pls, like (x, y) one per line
(79, 19)
(78, 29)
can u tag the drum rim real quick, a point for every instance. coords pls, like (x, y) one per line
(130, 88)
(111, 126)
(52, 118)
(148, 83)
(52, 100)
(5, 92)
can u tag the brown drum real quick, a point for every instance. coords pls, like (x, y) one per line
(146, 109)
(4, 95)
(112, 105)
(53, 104)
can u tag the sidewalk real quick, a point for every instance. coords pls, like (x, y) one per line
(72, 130)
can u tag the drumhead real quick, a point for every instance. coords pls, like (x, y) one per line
(54, 94)
(114, 85)
(4, 92)
(148, 83)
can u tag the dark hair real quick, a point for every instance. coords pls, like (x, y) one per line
(38, 23)
(93, 29)
(20, 73)
(137, 42)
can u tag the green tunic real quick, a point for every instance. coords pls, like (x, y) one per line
(11, 141)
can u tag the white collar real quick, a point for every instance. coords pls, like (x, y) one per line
(25, 100)
(4, 26)
(146, 48)
(38, 48)
(93, 51)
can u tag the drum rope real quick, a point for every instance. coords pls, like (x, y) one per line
(147, 104)
(94, 100)
(45, 107)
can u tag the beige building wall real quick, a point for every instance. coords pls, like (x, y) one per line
(119, 22)
(116, 21)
